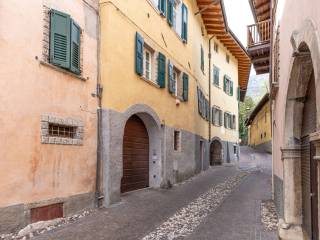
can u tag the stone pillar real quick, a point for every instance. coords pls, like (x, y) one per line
(290, 226)
(315, 139)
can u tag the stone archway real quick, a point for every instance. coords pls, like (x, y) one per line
(113, 126)
(303, 80)
(215, 153)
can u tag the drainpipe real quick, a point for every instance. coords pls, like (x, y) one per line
(98, 94)
(209, 56)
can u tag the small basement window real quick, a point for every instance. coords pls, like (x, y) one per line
(56, 130)
(177, 141)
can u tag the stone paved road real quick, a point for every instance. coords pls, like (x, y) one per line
(143, 213)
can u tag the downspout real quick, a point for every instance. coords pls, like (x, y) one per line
(210, 113)
(98, 94)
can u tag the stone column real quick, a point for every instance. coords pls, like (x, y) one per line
(315, 139)
(290, 226)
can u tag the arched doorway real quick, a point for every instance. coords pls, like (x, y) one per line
(135, 155)
(215, 153)
(300, 169)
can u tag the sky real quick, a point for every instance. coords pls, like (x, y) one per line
(239, 15)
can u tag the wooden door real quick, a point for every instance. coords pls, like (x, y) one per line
(314, 193)
(135, 156)
(306, 186)
(215, 153)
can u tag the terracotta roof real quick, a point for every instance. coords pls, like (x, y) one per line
(215, 21)
(257, 109)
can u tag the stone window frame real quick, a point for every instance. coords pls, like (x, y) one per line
(47, 119)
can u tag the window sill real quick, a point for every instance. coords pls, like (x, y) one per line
(63, 70)
(217, 86)
(150, 82)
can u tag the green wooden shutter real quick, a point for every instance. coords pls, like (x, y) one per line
(220, 117)
(185, 94)
(231, 88)
(225, 84)
(225, 120)
(139, 54)
(170, 12)
(162, 7)
(199, 103)
(161, 80)
(184, 31)
(239, 94)
(75, 48)
(171, 82)
(60, 24)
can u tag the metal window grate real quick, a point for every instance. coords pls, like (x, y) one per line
(56, 130)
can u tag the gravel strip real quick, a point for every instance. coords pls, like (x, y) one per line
(269, 217)
(35, 229)
(187, 219)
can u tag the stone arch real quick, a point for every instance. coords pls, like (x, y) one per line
(304, 68)
(113, 126)
(306, 61)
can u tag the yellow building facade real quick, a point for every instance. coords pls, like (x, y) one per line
(259, 126)
(155, 103)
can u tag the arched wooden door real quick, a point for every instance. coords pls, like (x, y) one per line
(215, 153)
(135, 155)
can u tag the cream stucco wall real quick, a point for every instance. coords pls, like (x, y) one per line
(124, 88)
(31, 171)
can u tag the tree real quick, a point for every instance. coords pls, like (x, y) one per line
(245, 109)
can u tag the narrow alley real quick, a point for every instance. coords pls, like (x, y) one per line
(222, 203)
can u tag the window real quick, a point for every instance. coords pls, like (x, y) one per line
(184, 30)
(227, 58)
(202, 59)
(65, 131)
(265, 117)
(177, 16)
(216, 77)
(228, 86)
(178, 82)
(177, 141)
(176, 79)
(265, 134)
(234, 149)
(148, 64)
(216, 116)
(145, 63)
(229, 121)
(162, 7)
(216, 47)
(64, 42)
(56, 130)
(203, 105)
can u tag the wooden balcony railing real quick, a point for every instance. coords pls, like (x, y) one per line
(259, 33)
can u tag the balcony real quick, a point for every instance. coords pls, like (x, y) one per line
(259, 46)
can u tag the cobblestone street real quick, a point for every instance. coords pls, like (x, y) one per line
(222, 203)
